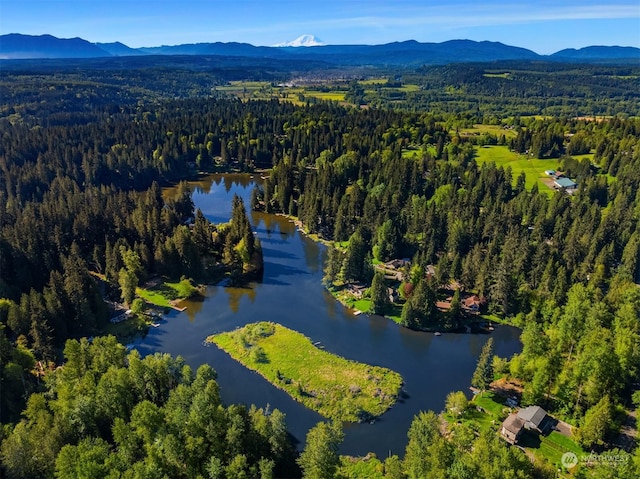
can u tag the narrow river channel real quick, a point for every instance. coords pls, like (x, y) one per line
(291, 294)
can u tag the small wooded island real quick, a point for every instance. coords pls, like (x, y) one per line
(333, 386)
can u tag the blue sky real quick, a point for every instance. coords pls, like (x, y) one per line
(544, 26)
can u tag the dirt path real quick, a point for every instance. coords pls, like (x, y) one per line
(564, 428)
(628, 432)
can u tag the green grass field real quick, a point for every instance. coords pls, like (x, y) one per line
(162, 294)
(333, 386)
(154, 296)
(496, 130)
(550, 447)
(373, 81)
(407, 88)
(553, 446)
(487, 401)
(533, 168)
(325, 95)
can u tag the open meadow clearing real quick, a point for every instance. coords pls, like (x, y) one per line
(335, 387)
(533, 168)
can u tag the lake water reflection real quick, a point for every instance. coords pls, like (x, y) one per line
(291, 294)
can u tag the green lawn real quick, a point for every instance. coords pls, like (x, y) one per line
(154, 296)
(362, 305)
(333, 386)
(162, 294)
(479, 420)
(487, 401)
(533, 168)
(550, 447)
(586, 156)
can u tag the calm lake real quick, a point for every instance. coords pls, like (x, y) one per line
(291, 294)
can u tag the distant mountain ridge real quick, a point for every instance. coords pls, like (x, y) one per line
(118, 49)
(598, 51)
(406, 53)
(16, 45)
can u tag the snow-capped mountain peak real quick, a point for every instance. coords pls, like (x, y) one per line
(303, 41)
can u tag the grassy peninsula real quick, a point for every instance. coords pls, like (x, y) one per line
(333, 386)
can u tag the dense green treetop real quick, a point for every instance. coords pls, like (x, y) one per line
(110, 413)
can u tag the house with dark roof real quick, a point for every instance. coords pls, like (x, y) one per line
(356, 289)
(535, 419)
(398, 263)
(512, 428)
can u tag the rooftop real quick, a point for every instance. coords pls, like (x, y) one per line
(565, 183)
(513, 424)
(533, 414)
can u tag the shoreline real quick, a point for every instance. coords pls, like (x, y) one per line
(471, 327)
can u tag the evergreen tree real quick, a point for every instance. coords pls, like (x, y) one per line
(128, 283)
(596, 423)
(353, 267)
(320, 459)
(202, 234)
(483, 375)
(409, 316)
(456, 306)
(379, 294)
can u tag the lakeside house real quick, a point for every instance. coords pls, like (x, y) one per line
(472, 304)
(121, 317)
(398, 263)
(532, 418)
(356, 289)
(512, 428)
(535, 419)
